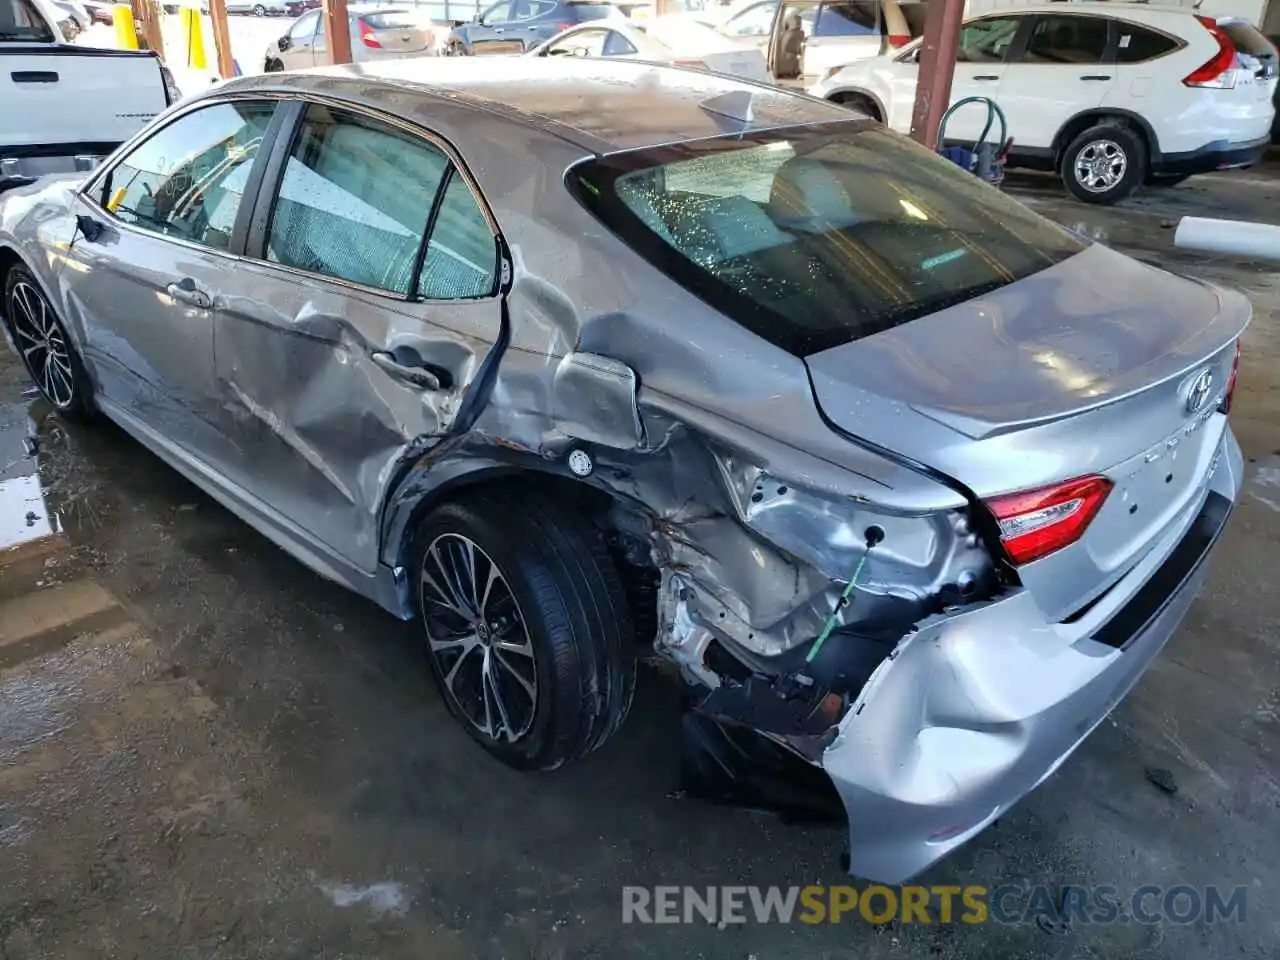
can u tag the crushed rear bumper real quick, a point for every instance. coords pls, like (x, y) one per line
(976, 708)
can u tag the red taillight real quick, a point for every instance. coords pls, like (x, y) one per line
(897, 40)
(564, 26)
(1219, 72)
(367, 37)
(691, 64)
(1035, 523)
(1225, 406)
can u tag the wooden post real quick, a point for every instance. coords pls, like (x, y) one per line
(147, 14)
(337, 30)
(222, 39)
(936, 68)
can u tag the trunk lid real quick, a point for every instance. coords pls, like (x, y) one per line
(396, 31)
(1096, 365)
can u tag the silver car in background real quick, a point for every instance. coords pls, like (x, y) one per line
(910, 483)
(378, 32)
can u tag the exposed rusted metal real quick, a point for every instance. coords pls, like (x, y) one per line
(337, 30)
(937, 66)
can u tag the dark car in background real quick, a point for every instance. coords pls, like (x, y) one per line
(1275, 97)
(514, 26)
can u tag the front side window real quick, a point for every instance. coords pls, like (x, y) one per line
(187, 181)
(21, 20)
(859, 18)
(1074, 40)
(583, 43)
(354, 200)
(305, 28)
(818, 236)
(987, 41)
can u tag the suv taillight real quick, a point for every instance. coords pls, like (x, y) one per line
(1035, 523)
(564, 25)
(1220, 72)
(691, 64)
(1225, 406)
(898, 40)
(367, 37)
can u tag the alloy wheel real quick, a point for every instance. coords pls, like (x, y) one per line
(478, 638)
(42, 344)
(1101, 165)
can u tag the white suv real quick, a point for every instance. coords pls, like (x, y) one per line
(1109, 95)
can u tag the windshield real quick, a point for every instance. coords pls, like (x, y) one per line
(817, 236)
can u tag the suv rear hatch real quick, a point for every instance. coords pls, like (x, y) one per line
(947, 324)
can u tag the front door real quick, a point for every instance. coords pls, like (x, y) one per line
(360, 341)
(300, 51)
(981, 64)
(148, 286)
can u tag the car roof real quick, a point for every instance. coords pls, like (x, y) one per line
(599, 104)
(1092, 7)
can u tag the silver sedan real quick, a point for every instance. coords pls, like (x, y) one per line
(564, 359)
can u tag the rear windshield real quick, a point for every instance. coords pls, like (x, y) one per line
(1247, 39)
(817, 236)
(392, 19)
(591, 11)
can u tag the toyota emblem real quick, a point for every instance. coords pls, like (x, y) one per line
(1198, 392)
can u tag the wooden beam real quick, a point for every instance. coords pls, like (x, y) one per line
(936, 68)
(337, 31)
(222, 39)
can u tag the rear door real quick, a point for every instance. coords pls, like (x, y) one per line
(1065, 66)
(1141, 70)
(372, 304)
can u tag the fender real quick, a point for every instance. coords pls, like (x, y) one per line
(862, 92)
(1074, 126)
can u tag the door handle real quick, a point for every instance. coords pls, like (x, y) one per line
(33, 76)
(186, 291)
(425, 375)
(498, 30)
(988, 76)
(1096, 76)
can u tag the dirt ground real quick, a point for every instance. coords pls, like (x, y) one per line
(208, 752)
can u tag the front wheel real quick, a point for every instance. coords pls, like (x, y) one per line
(454, 49)
(45, 348)
(259, 10)
(1105, 164)
(271, 65)
(526, 625)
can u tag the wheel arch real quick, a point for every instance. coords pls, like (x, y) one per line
(1087, 118)
(847, 93)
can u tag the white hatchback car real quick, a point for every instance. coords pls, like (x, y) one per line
(1109, 95)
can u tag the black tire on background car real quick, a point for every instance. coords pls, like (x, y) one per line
(526, 625)
(272, 65)
(1104, 164)
(1166, 179)
(259, 10)
(45, 348)
(454, 49)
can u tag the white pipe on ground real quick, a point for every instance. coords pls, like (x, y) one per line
(1243, 238)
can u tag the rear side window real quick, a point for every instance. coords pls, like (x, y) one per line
(818, 236)
(859, 18)
(616, 45)
(391, 19)
(1136, 44)
(589, 11)
(20, 20)
(1070, 40)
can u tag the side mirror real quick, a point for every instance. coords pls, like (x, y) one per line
(284, 43)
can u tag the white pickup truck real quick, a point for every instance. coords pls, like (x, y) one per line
(63, 106)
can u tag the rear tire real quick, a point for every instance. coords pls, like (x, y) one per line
(45, 348)
(530, 642)
(1104, 164)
